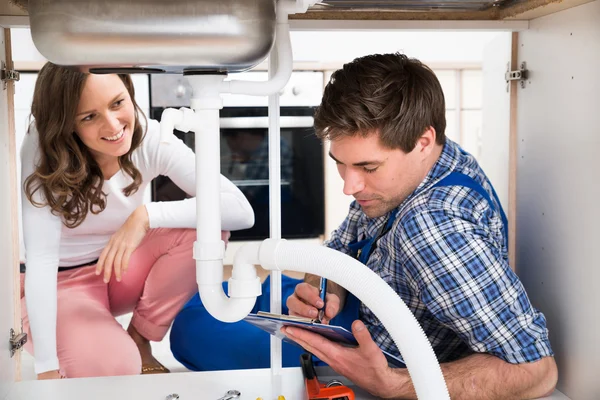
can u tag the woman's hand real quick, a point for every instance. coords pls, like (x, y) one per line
(50, 375)
(122, 244)
(225, 235)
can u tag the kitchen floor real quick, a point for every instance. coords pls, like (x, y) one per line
(161, 350)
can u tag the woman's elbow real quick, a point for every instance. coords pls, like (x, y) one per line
(248, 220)
(245, 218)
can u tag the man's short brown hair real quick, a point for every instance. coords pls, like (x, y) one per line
(391, 94)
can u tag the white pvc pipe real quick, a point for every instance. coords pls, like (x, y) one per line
(281, 76)
(168, 120)
(377, 295)
(209, 249)
(244, 283)
(208, 184)
(183, 119)
(288, 7)
(244, 260)
(275, 221)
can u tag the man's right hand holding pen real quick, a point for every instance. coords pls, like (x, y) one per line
(307, 302)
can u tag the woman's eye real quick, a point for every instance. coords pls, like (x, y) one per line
(119, 102)
(370, 170)
(88, 118)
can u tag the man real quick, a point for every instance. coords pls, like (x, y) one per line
(438, 238)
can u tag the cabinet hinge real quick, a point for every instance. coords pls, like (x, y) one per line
(7, 75)
(17, 340)
(518, 75)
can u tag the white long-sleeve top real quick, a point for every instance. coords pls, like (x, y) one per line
(50, 244)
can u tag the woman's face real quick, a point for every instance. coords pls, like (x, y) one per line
(105, 117)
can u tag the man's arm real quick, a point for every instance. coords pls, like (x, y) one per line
(485, 377)
(475, 377)
(465, 282)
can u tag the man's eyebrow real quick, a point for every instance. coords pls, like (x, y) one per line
(358, 164)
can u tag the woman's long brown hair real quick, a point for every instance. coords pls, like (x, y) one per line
(67, 175)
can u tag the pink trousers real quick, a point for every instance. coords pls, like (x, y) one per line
(160, 279)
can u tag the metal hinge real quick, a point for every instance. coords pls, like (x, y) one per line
(7, 75)
(17, 341)
(518, 75)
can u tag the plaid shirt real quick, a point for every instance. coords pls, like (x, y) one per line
(446, 256)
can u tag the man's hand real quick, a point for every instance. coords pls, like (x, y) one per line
(122, 244)
(50, 375)
(305, 302)
(364, 365)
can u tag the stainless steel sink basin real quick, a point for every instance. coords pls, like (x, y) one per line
(170, 36)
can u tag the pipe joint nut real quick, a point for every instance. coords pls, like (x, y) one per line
(209, 251)
(244, 288)
(266, 254)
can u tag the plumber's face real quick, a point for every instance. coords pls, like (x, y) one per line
(105, 117)
(378, 178)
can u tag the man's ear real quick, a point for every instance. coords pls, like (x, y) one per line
(426, 142)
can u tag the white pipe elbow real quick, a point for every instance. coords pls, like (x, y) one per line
(244, 285)
(169, 118)
(223, 308)
(281, 76)
(183, 119)
(246, 256)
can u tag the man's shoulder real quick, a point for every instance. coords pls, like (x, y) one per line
(437, 207)
(431, 200)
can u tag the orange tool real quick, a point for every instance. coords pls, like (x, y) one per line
(315, 390)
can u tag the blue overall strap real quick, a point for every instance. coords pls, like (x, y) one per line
(362, 250)
(459, 179)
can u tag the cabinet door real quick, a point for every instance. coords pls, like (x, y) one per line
(498, 139)
(496, 114)
(558, 188)
(9, 248)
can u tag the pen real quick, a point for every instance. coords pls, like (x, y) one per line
(322, 294)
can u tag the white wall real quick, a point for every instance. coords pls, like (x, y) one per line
(429, 47)
(558, 188)
(23, 48)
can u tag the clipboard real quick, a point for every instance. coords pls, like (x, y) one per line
(272, 323)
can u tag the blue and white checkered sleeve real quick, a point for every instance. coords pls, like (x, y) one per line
(467, 284)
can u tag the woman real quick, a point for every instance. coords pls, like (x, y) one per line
(94, 249)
